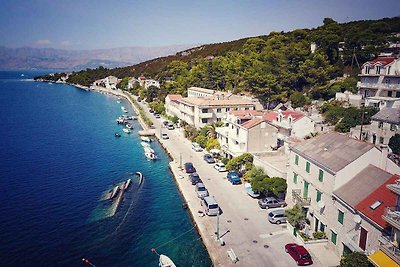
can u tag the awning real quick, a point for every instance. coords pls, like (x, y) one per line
(380, 259)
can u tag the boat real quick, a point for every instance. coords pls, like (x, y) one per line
(117, 135)
(118, 102)
(145, 139)
(124, 109)
(114, 192)
(150, 155)
(127, 184)
(22, 75)
(144, 144)
(126, 130)
(165, 261)
(149, 149)
(129, 126)
(140, 177)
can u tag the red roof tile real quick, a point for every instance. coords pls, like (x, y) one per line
(251, 123)
(383, 194)
(273, 116)
(382, 60)
(246, 113)
(174, 97)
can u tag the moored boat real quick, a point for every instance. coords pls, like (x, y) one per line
(129, 126)
(165, 261)
(117, 135)
(145, 139)
(127, 184)
(114, 192)
(144, 144)
(126, 130)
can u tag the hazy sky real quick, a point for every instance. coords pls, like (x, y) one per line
(89, 24)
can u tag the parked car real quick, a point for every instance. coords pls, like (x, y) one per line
(220, 167)
(271, 202)
(250, 192)
(139, 99)
(164, 136)
(299, 254)
(189, 168)
(151, 110)
(171, 126)
(201, 190)
(208, 158)
(194, 178)
(234, 178)
(210, 206)
(157, 116)
(277, 216)
(165, 123)
(196, 147)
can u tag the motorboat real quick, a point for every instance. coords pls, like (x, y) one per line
(129, 126)
(118, 102)
(149, 149)
(150, 155)
(126, 130)
(165, 261)
(145, 139)
(144, 144)
(127, 184)
(124, 109)
(117, 135)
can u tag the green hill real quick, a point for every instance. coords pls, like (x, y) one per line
(272, 67)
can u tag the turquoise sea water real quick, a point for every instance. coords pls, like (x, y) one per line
(58, 154)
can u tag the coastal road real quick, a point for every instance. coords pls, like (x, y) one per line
(243, 224)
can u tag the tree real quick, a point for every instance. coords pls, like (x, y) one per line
(394, 144)
(175, 119)
(123, 84)
(354, 259)
(298, 99)
(152, 93)
(295, 215)
(260, 182)
(212, 143)
(237, 163)
(201, 140)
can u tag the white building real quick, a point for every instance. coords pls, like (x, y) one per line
(109, 82)
(202, 110)
(132, 82)
(320, 166)
(380, 82)
(151, 82)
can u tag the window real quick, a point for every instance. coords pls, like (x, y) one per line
(381, 139)
(237, 131)
(393, 127)
(204, 110)
(296, 159)
(319, 196)
(375, 205)
(340, 217)
(380, 125)
(218, 119)
(378, 69)
(321, 176)
(227, 109)
(322, 227)
(204, 120)
(367, 68)
(333, 237)
(295, 178)
(308, 167)
(390, 93)
(218, 110)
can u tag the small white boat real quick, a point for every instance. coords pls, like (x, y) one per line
(126, 130)
(165, 261)
(22, 75)
(129, 126)
(118, 102)
(150, 155)
(124, 109)
(144, 144)
(127, 184)
(145, 139)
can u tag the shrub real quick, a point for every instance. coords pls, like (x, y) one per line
(319, 235)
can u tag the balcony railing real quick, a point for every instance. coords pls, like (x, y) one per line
(299, 199)
(392, 216)
(391, 250)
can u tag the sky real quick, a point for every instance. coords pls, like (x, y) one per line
(100, 24)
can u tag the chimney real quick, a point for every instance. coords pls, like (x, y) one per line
(384, 157)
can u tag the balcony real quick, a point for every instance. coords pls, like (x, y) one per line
(395, 188)
(392, 216)
(390, 249)
(367, 85)
(299, 199)
(206, 115)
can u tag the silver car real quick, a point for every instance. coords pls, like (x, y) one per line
(201, 190)
(277, 216)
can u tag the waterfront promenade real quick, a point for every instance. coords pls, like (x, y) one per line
(243, 225)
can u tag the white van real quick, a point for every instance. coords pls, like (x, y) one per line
(210, 205)
(196, 147)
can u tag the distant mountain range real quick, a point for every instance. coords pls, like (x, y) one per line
(27, 58)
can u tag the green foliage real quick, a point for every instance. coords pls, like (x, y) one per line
(329, 91)
(298, 99)
(260, 182)
(142, 113)
(295, 215)
(190, 132)
(345, 118)
(224, 160)
(201, 140)
(152, 93)
(123, 84)
(394, 144)
(354, 259)
(319, 235)
(174, 119)
(212, 143)
(158, 106)
(237, 163)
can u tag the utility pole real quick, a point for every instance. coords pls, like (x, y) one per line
(362, 121)
(217, 225)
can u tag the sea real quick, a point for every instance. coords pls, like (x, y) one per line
(58, 157)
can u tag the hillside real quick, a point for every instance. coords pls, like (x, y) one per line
(274, 67)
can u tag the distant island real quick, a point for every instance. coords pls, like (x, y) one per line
(28, 58)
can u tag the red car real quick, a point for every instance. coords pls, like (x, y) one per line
(299, 254)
